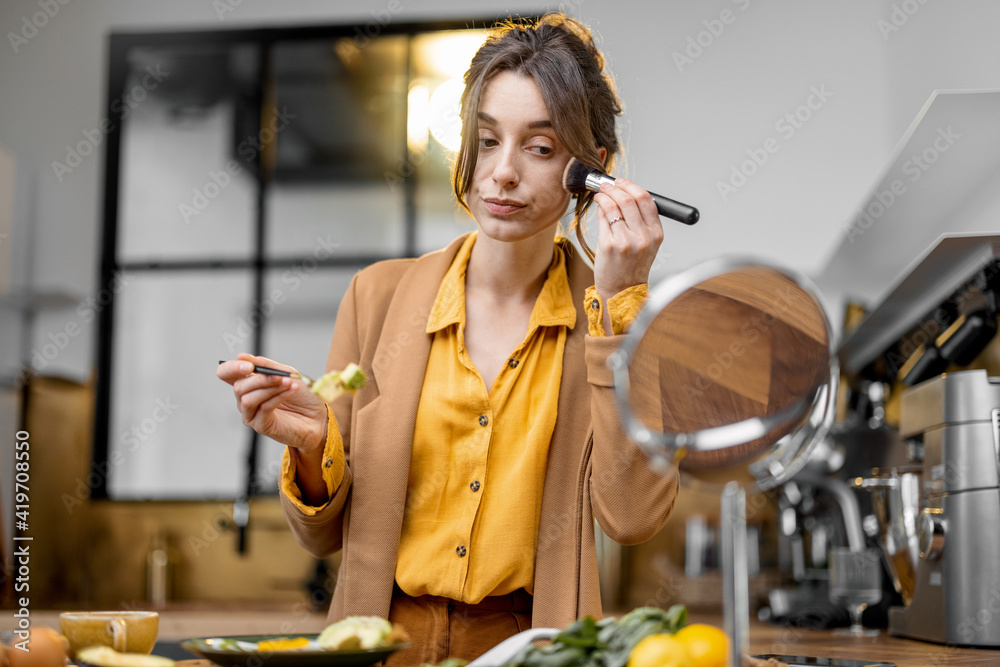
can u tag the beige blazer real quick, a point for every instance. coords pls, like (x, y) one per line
(593, 471)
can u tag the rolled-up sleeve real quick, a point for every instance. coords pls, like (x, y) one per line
(623, 308)
(333, 468)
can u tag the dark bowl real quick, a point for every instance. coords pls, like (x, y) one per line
(227, 657)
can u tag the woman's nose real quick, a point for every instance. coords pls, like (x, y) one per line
(505, 172)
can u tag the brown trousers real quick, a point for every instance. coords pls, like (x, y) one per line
(441, 628)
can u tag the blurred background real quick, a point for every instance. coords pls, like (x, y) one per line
(183, 181)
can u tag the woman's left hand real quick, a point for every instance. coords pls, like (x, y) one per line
(629, 234)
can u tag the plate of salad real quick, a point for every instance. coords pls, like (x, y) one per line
(356, 641)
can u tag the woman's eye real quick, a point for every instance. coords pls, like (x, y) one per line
(542, 150)
(487, 142)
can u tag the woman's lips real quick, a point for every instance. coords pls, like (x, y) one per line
(503, 206)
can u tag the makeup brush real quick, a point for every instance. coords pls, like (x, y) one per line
(579, 178)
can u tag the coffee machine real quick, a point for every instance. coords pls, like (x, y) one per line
(952, 424)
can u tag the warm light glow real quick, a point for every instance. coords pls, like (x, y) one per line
(447, 54)
(443, 114)
(416, 117)
(444, 57)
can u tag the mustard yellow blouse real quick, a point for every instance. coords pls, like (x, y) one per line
(479, 453)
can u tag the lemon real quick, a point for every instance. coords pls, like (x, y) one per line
(660, 650)
(707, 644)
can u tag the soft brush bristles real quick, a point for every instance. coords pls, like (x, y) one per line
(575, 176)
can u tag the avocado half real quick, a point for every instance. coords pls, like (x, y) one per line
(105, 656)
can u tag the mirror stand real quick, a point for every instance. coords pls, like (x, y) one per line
(735, 578)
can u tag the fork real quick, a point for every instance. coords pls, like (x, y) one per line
(266, 370)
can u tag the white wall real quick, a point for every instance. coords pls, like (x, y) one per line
(945, 177)
(686, 127)
(948, 47)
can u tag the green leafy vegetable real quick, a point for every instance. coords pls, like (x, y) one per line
(227, 645)
(604, 643)
(639, 624)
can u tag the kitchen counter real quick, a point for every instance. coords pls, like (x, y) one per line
(766, 638)
(177, 624)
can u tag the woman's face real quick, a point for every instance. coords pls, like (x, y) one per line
(517, 187)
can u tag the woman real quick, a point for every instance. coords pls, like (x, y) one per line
(463, 481)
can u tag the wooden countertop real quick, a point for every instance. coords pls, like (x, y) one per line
(765, 638)
(197, 621)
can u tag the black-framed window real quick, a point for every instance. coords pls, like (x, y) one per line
(249, 175)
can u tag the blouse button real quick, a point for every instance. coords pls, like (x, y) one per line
(595, 304)
(328, 463)
(475, 485)
(512, 363)
(483, 420)
(460, 551)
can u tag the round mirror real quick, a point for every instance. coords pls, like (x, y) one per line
(729, 372)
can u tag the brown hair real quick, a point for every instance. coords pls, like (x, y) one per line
(559, 54)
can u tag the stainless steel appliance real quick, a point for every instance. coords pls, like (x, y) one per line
(896, 503)
(956, 595)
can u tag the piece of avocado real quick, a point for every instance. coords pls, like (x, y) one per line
(105, 656)
(355, 632)
(336, 383)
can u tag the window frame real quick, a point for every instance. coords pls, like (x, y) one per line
(259, 264)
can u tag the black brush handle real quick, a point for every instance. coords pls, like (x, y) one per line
(264, 370)
(675, 210)
(579, 176)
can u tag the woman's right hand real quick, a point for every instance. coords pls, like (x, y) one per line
(282, 408)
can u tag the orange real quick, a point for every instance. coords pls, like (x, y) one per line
(283, 644)
(660, 650)
(46, 648)
(707, 644)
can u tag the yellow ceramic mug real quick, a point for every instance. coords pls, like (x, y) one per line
(124, 631)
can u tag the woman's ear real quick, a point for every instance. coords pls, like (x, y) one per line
(604, 153)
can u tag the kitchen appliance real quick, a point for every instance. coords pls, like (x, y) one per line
(816, 513)
(896, 503)
(953, 422)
